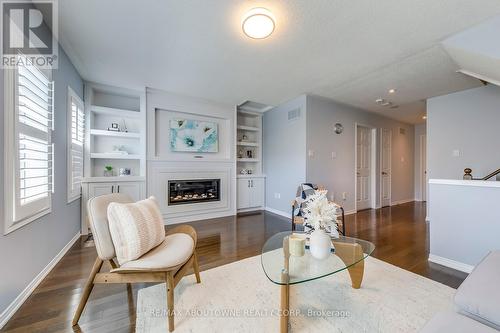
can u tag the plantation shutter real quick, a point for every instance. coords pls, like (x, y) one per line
(34, 158)
(75, 167)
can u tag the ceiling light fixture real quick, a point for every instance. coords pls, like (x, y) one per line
(258, 23)
(392, 91)
(424, 117)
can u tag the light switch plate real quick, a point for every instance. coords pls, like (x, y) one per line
(310, 153)
(334, 155)
(456, 153)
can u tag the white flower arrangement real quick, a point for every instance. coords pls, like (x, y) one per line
(321, 213)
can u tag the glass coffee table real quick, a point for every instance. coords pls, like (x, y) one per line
(285, 270)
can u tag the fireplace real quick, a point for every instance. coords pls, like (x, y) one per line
(193, 191)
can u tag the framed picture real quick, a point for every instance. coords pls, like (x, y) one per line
(193, 136)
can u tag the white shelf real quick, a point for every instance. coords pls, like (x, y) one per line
(250, 113)
(98, 132)
(100, 179)
(112, 156)
(247, 144)
(248, 128)
(123, 113)
(253, 160)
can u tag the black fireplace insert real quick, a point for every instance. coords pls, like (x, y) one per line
(193, 191)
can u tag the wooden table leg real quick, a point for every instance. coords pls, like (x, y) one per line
(349, 253)
(285, 290)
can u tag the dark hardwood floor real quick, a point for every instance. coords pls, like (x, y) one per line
(400, 234)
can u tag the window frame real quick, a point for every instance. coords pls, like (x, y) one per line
(73, 96)
(36, 209)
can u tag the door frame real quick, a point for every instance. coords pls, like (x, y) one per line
(423, 175)
(380, 166)
(373, 164)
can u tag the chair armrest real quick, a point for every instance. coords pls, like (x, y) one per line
(184, 229)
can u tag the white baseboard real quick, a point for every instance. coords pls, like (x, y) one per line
(459, 266)
(21, 298)
(279, 212)
(350, 212)
(400, 202)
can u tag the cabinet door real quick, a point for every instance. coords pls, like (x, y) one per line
(257, 192)
(133, 190)
(97, 189)
(243, 193)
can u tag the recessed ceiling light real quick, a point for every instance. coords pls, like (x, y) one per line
(258, 23)
(424, 117)
(392, 91)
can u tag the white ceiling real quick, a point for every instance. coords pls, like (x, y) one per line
(351, 51)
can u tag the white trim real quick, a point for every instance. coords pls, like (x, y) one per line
(70, 96)
(479, 76)
(279, 212)
(459, 266)
(400, 202)
(457, 182)
(350, 212)
(423, 168)
(21, 298)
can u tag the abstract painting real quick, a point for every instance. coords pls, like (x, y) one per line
(193, 136)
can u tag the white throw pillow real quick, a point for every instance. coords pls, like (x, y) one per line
(135, 228)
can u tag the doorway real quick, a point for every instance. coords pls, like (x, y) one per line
(423, 167)
(385, 167)
(366, 138)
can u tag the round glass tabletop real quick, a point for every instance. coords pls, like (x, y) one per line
(346, 252)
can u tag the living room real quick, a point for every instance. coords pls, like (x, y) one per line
(198, 166)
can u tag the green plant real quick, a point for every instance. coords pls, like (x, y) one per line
(108, 167)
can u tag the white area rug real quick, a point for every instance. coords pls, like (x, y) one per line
(239, 298)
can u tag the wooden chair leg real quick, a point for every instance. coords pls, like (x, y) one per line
(87, 290)
(196, 268)
(170, 299)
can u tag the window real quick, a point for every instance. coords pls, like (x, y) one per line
(76, 124)
(28, 147)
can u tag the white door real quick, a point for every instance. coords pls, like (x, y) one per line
(97, 189)
(363, 168)
(423, 167)
(243, 193)
(257, 192)
(133, 190)
(385, 167)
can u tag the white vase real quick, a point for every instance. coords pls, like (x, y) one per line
(320, 244)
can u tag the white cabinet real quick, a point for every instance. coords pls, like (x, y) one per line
(250, 193)
(135, 187)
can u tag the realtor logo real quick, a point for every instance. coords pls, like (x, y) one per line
(29, 28)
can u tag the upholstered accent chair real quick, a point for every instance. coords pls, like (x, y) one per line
(303, 191)
(168, 262)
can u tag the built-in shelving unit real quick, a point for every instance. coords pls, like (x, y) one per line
(125, 148)
(251, 182)
(122, 148)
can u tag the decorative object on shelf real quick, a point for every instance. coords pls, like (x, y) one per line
(322, 214)
(249, 154)
(124, 127)
(114, 127)
(124, 172)
(119, 149)
(244, 171)
(297, 245)
(240, 153)
(244, 138)
(193, 136)
(249, 171)
(108, 171)
(338, 128)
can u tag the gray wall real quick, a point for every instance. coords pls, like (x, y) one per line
(466, 121)
(338, 174)
(284, 152)
(26, 251)
(420, 129)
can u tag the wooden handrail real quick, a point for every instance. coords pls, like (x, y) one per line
(468, 174)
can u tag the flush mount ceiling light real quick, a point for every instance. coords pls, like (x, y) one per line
(392, 91)
(258, 23)
(424, 117)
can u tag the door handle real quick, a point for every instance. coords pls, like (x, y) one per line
(384, 173)
(357, 173)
